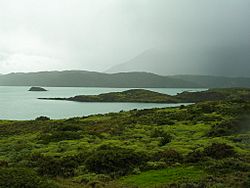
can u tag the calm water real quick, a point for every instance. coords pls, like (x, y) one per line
(17, 103)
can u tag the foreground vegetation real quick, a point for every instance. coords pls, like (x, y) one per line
(201, 145)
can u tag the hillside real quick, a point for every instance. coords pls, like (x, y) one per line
(200, 145)
(122, 80)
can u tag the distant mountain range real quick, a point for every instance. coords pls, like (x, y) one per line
(232, 61)
(122, 80)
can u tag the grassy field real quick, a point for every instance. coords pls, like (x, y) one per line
(201, 145)
(170, 175)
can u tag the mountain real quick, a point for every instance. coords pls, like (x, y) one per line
(122, 80)
(93, 79)
(215, 81)
(228, 61)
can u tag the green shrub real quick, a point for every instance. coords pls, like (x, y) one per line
(184, 115)
(57, 136)
(54, 166)
(165, 140)
(114, 160)
(194, 156)
(207, 107)
(227, 165)
(169, 156)
(22, 178)
(155, 165)
(165, 136)
(3, 163)
(151, 117)
(158, 132)
(219, 151)
(42, 118)
(224, 128)
(69, 127)
(95, 184)
(91, 177)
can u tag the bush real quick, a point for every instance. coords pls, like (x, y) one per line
(151, 117)
(207, 107)
(54, 166)
(57, 136)
(155, 165)
(224, 128)
(165, 137)
(3, 163)
(169, 156)
(183, 115)
(114, 161)
(92, 177)
(219, 151)
(157, 132)
(69, 127)
(42, 118)
(227, 165)
(194, 156)
(22, 178)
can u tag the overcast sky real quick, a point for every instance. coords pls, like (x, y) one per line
(37, 35)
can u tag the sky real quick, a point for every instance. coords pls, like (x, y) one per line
(39, 35)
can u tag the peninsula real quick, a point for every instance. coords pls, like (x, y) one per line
(147, 96)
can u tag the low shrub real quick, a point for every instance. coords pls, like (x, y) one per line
(155, 165)
(165, 136)
(42, 118)
(169, 156)
(194, 156)
(3, 163)
(165, 140)
(115, 161)
(219, 151)
(227, 165)
(69, 127)
(54, 166)
(223, 129)
(92, 177)
(57, 136)
(22, 178)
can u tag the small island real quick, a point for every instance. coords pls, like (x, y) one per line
(37, 89)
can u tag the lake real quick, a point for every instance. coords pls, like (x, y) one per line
(17, 103)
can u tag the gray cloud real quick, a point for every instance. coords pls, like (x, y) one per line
(96, 34)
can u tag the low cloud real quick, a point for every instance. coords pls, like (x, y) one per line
(96, 34)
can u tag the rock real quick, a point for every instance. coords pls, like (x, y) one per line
(37, 89)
